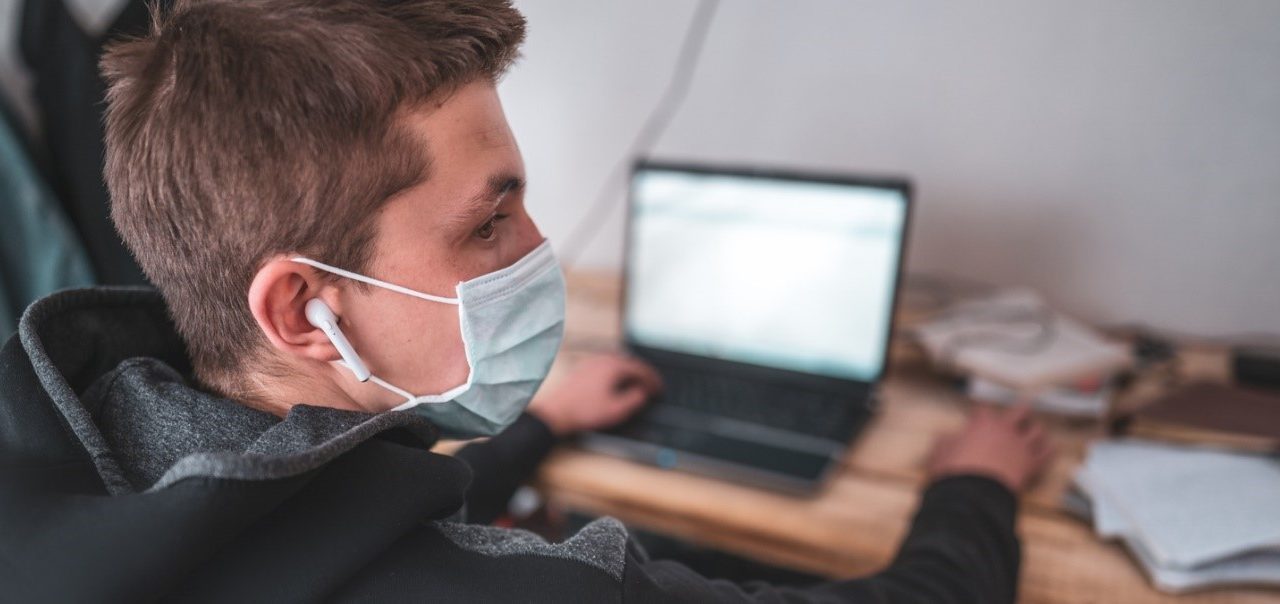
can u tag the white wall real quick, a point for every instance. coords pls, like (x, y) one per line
(1122, 157)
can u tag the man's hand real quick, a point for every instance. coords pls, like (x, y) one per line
(1006, 445)
(599, 391)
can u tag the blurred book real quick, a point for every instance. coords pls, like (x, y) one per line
(1191, 517)
(1211, 414)
(1015, 340)
(1086, 398)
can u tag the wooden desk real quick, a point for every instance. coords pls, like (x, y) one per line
(854, 525)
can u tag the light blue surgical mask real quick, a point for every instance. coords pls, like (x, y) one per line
(512, 322)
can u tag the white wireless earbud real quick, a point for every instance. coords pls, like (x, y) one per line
(321, 317)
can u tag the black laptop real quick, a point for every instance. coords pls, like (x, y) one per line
(766, 300)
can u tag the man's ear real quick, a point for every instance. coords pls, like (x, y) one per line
(278, 299)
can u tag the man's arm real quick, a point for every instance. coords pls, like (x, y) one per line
(501, 464)
(962, 546)
(961, 549)
(599, 392)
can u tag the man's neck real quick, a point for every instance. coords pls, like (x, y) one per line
(277, 394)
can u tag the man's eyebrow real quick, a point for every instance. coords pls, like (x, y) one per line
(496, 188)
(502, 184)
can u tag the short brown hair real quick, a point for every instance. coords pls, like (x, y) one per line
(237, 130)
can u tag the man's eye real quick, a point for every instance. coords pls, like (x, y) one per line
(489, 229)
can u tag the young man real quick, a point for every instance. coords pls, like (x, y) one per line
(329, 201)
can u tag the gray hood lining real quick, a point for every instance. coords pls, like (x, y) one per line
(269, 466)
(76, 336)
(602, 543)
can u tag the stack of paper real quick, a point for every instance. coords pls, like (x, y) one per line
(1062, 400)
(1013, 346)
(1192, 517)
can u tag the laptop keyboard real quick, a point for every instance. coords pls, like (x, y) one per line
(786, 408)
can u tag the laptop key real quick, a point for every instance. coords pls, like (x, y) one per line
(797, 410)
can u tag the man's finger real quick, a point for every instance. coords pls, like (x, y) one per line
(944, 444)
(631, 398)
(1035, 433)
(1044, 453)
(1019, 416)
(643, 371)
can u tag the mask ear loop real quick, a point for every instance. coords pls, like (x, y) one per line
(371, 281)
(389, 386)
(410, 399)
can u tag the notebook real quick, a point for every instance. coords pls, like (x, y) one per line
(1211, 414)
(1187, 506)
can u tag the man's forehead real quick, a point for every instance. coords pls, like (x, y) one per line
(495, 135)
(466, 129)
(473, 153)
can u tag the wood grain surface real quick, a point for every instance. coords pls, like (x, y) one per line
(853, 525)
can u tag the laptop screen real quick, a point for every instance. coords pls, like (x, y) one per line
(790, 274)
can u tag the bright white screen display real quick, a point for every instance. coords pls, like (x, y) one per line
(790, 274)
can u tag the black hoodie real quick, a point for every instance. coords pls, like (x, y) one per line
(119, 482)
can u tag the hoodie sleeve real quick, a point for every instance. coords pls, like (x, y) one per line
(502, 463)
(961, 549)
